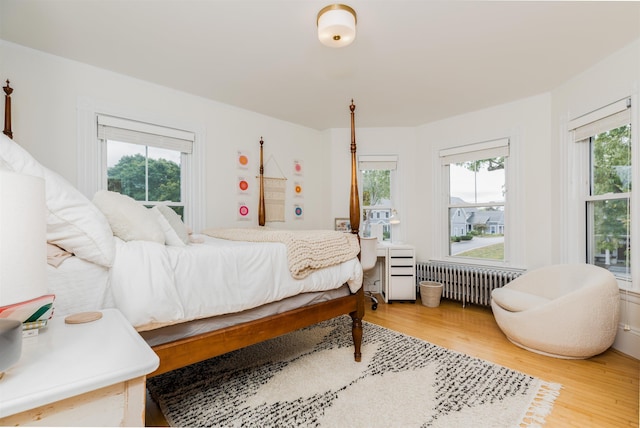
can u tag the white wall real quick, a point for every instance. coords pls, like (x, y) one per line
(45, 99)
(614, 78)
(526, 124)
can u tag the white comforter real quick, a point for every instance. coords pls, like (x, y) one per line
(154, 284)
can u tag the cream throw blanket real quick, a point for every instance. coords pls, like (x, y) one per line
(307, 250)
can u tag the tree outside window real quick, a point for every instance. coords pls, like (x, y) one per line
(147, 174)
(608, 205)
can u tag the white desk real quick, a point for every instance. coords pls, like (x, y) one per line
(91, 374)
(398, 278)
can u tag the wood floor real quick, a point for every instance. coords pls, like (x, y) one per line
(602, 391)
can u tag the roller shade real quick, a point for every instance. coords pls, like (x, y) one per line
(474, 152)
(610, 117)
(378, 162)
(130, 131)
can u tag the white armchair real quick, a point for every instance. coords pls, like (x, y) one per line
(564, 311)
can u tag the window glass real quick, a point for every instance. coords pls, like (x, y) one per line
(608, 204)
(145, 173)
(376, 200)
(476, 208)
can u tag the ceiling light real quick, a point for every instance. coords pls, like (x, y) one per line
(337, 25)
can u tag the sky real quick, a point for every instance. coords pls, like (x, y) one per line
(489, 184)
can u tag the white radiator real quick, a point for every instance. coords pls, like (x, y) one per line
(464, 282)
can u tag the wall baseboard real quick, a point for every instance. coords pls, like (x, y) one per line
(628, 342)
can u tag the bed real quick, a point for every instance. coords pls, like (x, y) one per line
(185, 306)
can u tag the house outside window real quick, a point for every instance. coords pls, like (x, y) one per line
(377, 177)
(605, 136)
(476, 188)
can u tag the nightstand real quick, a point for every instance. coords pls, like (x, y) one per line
(91, 374)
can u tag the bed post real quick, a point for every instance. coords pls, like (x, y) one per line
(261, 214)
(7, 110)
(354, 218)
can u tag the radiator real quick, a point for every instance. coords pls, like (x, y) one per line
(464, 282)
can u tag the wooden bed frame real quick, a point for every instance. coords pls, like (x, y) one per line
(190, 350)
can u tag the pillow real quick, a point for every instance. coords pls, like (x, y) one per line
(73, 222)
(56, 255)
(129, 219)
(515, 300)
(170, 236)
(176, 223)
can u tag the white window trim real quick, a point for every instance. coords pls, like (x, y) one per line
(576, 183)
(513, 248)
(92, 168)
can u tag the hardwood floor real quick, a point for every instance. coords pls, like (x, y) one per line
(602, 391)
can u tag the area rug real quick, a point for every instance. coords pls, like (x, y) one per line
(309, 379)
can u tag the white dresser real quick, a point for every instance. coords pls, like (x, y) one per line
(399, 277)
(91, 374)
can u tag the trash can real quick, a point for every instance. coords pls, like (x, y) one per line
(430, 293)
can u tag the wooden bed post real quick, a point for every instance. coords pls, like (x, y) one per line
(261, 208)
(7, 110)
(354, 202)
(354, 218)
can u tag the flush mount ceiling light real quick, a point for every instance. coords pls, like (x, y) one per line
(336, 25)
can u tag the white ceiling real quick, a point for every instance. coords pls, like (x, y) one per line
(412, 62)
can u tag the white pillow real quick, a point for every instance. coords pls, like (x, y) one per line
(129, 219)
(170, 236)
(176, 223)
(73, 222)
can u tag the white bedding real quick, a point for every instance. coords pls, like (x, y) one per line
(154, 284)
(79, 286)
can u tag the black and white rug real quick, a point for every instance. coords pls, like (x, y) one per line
(309, 378)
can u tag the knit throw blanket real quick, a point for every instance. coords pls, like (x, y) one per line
(307, 250)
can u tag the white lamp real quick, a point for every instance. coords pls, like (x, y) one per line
(337, 25)
(394, 221)
(23, 254)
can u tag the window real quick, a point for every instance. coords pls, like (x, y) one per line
(476, 189)
(144, 161)
(377, 201)
(606, 136)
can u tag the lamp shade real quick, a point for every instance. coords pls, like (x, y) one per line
(337, 25)
(23, 240)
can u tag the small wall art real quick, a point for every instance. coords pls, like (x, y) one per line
(243, 186)
(343, 224)
(244, 213)
(243, 159)
(298, 212)
(298, 189)
(298, 168)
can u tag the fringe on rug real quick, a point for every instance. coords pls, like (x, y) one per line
(541, 405)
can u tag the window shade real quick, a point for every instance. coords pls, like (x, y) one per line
(609, 117)
(130, 131)
(379, 162)
(474, 152)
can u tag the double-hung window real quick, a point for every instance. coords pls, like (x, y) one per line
(604, 139)
(378, 173)
(145, 161)
(475, 176)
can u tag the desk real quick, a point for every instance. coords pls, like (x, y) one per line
(398, 277)
(91, 374)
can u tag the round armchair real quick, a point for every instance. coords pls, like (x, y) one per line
(564, 311)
